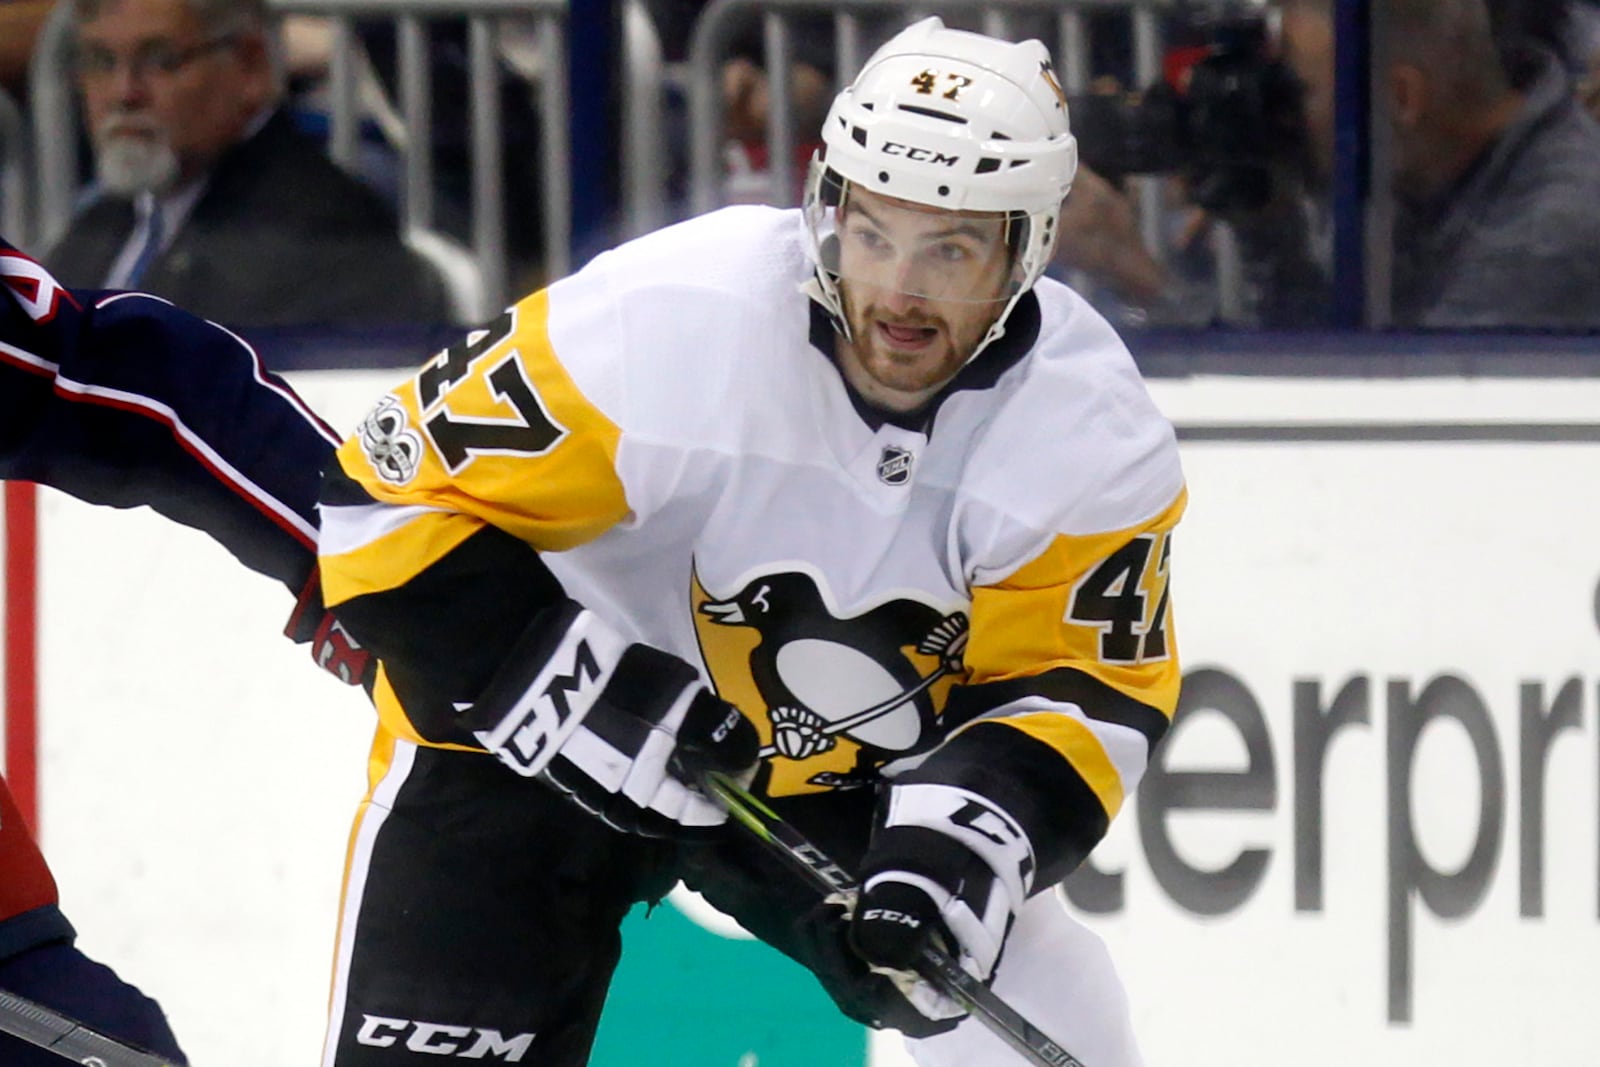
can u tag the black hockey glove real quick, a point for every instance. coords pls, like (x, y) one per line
(869, 997)
(947, 864)
(625, 729)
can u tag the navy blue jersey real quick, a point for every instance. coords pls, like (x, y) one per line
(124, 399)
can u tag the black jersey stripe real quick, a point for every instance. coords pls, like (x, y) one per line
(1066, 685)
(435, 657)
(339, 490)
(1058, 811)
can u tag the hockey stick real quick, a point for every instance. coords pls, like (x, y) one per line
(38, 1025)
(866, 715)
(938, 966)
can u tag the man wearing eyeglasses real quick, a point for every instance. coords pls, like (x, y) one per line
(206, 194)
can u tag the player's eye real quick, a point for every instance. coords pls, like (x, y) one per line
(869, 238)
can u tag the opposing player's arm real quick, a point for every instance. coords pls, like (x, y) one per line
(125, 400)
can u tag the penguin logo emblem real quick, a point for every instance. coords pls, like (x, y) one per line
(894, 466)
(842, 695)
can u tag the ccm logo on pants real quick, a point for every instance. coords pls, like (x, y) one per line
(439, 1039)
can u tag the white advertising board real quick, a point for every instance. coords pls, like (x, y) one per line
(1384, 850)
(1372, 837)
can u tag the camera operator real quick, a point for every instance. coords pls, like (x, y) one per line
(1496, 167)
(1232, 127)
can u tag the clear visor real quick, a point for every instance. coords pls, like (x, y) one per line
(868, 241)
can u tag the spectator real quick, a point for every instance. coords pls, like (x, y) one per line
(1286, 243)
(1583, 34)
(746, 97)
(1583, 44)
(1495, 177)
(206, 194)
(1589, 88)
(1495, 186)
(1571, 29)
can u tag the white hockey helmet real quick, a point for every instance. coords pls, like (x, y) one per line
(951, 120)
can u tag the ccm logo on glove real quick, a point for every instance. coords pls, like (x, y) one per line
(889, 915)
(558, 698)
(624, 729)
(727, 725)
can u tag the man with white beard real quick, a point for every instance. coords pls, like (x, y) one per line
(205, 192)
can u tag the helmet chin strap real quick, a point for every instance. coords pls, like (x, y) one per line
(997, 329)
(814, 288)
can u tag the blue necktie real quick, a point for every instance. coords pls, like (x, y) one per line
(149, 250)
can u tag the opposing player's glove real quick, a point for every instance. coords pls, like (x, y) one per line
(623, 728)
(945, 864)
(332, 647)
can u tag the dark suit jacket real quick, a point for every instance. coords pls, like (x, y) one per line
(280, 236)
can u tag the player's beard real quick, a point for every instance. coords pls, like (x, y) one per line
(130, 159)
(955, 340)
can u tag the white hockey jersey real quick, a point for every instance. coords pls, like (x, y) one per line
(668, 427)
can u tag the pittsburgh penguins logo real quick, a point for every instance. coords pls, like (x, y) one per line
(840, 695)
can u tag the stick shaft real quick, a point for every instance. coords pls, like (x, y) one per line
(67, 1038)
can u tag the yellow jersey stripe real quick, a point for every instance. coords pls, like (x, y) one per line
(532, 455)
(1037, 620)
(1079, 744)
(394, 558)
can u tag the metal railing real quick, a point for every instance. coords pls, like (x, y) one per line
(55, 122)
(644, 151)
(15, 199)
(715, 29)
(53, 107)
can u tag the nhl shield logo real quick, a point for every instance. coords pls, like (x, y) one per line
(894, 466)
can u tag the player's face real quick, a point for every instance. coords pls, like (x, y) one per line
(920, 288)
(162, 97)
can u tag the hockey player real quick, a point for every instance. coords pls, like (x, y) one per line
(848, 499)
(122, 399)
